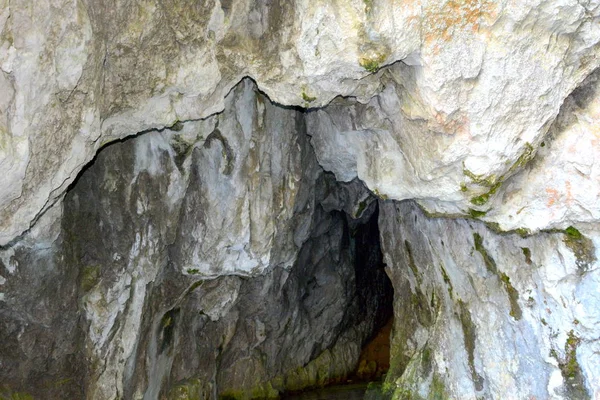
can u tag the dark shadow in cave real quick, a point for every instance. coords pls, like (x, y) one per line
(377, 294)
(333, 301)
(372, 304)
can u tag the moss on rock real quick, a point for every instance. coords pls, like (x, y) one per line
(484, 198)
(307, 98)
(7, 394)
(582, 247)
(90, 275)
(570, 369)
(190, 390)
(527, 255)
(490, 264)
(373, 62)
(469, 337)
(476, 213)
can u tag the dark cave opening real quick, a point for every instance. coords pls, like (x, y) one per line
(370, 311)
(324, 321)
(134, 227)
(377, 294)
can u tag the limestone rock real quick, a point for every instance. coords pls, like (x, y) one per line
(482, 81)
(138, 284)
(478, 314)
(165, 229)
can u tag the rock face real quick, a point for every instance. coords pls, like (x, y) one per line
(152, 248)
(480, 82)
(485, 315)
(198, 197)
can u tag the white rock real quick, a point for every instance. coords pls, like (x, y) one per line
(484, 80)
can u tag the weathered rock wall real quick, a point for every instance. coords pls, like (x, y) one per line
(481, 82)
(216, 259)
(478, 111)
(480, 314)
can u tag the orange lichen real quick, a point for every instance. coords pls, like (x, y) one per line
(451, 124)
(553, 196)
(569, 194)
(444, 20)
(572, 149)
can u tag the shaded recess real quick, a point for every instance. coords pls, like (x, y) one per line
(378, 295)
(119, 241)
(287, 330)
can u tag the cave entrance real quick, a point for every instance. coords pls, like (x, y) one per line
(369, 309)
(300, 323)
(377, 294)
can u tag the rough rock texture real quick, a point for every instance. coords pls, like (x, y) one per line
(146, 305)
(486, 315)
(481, 81)
(168, 267)
(397, 159)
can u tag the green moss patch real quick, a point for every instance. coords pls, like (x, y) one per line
(361, 207)
(523, 232)
(167, 328)
(7, 394)
(476, 213)
(437, 390)
(382, 196)
(570, 369)
(573, 233)
(411, 262)
(490, 264)
(372, 63)
(513, 297)
(191, 390)
(469, 336)
(447, 281)
(261, 392)
(493, 182)
(527, 155)
(527, 254)
(484, 198)
(481, 180)
(582, 247)
(90, 275)
(307, 98)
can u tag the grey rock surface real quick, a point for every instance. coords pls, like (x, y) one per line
(148, 285)
(480, 81)
(480, 314)
(189, 190)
